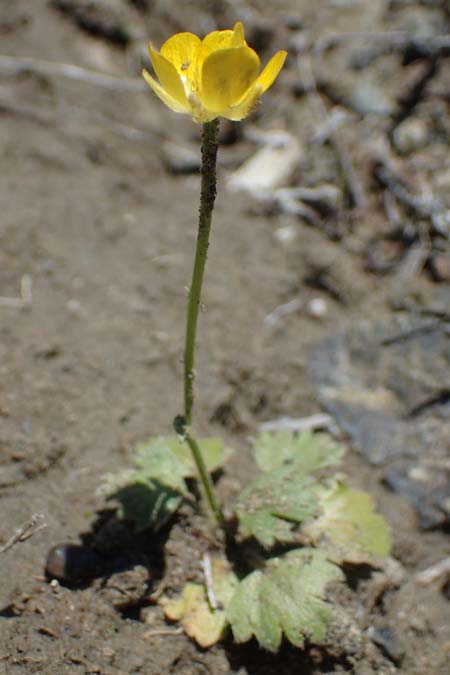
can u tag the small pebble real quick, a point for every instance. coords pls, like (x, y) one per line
(72, 563)
(270, 167)
(286, 235)
(75, 307)
(439, 266)
(388, 642)
(410, 135)
(317, 308)
(370, 99)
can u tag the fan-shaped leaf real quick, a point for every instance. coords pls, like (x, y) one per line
(169, 460)
(151, 492)
(348, 529)
(310, 452)
(270, 507)
(287, 597)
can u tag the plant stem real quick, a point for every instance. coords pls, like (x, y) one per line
(206, 480)
(207, 198)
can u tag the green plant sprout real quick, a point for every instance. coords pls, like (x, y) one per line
(296, 503)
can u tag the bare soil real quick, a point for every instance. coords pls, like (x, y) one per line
(100, 227)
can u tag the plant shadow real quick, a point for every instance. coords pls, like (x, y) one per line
(287, 660)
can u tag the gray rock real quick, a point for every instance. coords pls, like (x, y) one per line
(368, 98)
(426, 488)
(387, 387)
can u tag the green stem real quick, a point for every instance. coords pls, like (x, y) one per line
(206, 480)
(207, 198)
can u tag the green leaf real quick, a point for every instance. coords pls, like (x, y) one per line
(147, 504)
(151, 492)
(202, 623)
(169, 460)
(287, 597)
(348, 529)
(310, 452)
(270, 507)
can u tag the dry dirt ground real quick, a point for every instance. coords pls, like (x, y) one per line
(97, 229)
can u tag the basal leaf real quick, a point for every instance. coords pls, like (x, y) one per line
(151, 491)
(169, 460)
(287, 597)
(147, 504)
(310, 452)
(202, 623)
(348, 529)
(272, 504)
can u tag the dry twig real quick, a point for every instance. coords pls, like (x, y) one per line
(16, 65)
(163, 632)
(25, 531)
(431, 574)
(24, 300)
(209, 582)
(319, 421)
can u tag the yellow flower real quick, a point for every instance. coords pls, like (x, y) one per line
(213, 77)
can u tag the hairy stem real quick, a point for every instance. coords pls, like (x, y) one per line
(207, 199)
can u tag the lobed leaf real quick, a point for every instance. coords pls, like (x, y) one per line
(270, 507)
(147, 504)
(151, 492)
(287, 597)
(202, 623)
(169, 460)
(310, 452)
(348, 529)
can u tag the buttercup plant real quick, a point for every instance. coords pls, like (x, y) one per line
(207, 79)
(295, 502)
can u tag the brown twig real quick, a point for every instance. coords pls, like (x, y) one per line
(163, 632)
(25, 531)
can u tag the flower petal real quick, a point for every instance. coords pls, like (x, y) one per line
(270, 73)
(246, 104)
(226, 75)
(238, 38)
(251, 97)
(168, 76)
(181, 50)
(166, 98)
(223, 39)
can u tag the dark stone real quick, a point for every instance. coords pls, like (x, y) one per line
(429, 493)
(387, 385)
(72, 563)
(386, 639)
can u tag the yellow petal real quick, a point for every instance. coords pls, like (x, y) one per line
(170, 102)
(246, 104)
(238, 38)
(218, 39)
(226, 75)
(251, 97)
(168, 77)
(270, 72)
(181, 50)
